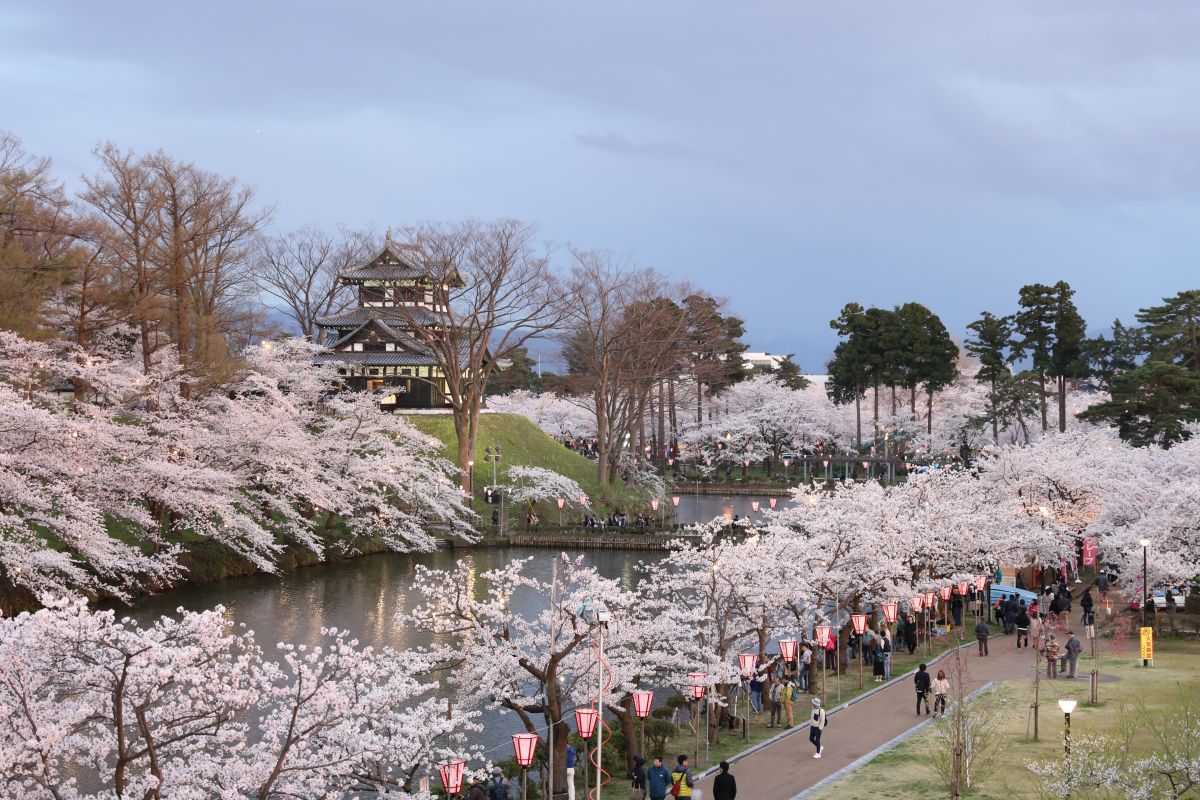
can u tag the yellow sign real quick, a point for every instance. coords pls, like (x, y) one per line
(1148, 644)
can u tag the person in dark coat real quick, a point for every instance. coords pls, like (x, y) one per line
(638, 776)
(910, 634)
(1086, 604)
(1010, 614)
(476, 792)
(923, 681)
(724, 786)
(658, 780)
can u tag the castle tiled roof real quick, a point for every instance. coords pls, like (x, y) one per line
(394, 359)
(354, 317)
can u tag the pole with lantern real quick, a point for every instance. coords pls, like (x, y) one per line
(643, 701)
(748, 662)
(946, 592)
(822, 633)
(787, 651)
(675, 503)
(561, 501)
(654, 504)
(860, 627)
(696, 680)
(524, 746)
(980, 585)
(930, 611)
(585, 723)
(915, 605)
(451, 773)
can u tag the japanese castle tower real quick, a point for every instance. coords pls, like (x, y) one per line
(373, 341)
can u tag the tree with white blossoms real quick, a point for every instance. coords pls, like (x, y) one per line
(555, 415)
(538, 485)
(94, 707)
(539, 667)
(272, 460)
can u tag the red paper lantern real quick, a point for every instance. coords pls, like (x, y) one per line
(675, 502)
(642, 700)
(745, 462)
(451, 773)
(787, 649)
(823, 633)
(754, 506)
(860, 623)
(583, 499)
(654, 504)
(945, 592)
(562, 501)
(773, 501)
(866, 464)
(917, 603)
(890, 610)
(930, 600)
(962, 588)
(585, 721)
(670, 462)
(696, 680)
(825, 463)
(747, 661)
(523, 746)
(980, 582)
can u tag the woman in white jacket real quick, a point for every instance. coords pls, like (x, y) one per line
(940, 688)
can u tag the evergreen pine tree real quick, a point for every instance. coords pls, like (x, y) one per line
(993, 338)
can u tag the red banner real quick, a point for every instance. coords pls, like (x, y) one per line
(1089, 552)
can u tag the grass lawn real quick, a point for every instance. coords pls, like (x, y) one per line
(904, 772)
(731, 744)
(522, 443)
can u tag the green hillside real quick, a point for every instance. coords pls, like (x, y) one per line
(523, 443)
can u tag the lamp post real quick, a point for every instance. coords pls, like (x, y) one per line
(860, 627)
(643, 700)
(585, 723)
(980, 583)
(675, 503)
(494, 454)
(1067, 705)
(654, 504)
(560, 501)
(451, 773)
(822, 633)
(1146, 598)
(696, 680)
(930, 608)
(945, 592)
(524, 746)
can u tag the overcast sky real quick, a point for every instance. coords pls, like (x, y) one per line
(788, 156)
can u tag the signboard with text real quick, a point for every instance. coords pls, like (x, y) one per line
(1147, 644)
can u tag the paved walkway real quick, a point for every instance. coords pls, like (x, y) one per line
(783, 769)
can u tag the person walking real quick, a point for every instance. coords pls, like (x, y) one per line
(922, 682)
(681, 778)
(956, 606)
(497, 788)
(805, 667)
(1070, 654)
(1038, 629)
(788, 696)
(775, 697)
(1102, 584)
(724, 786)
(658, 780)
(981, 636)
(1086, 604)
(1051, 652)
(1010, 614)
(816, 725)
(572, 758)
(1022, 626)
(941, 689)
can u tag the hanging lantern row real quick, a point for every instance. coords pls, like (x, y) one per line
(748, 661)
(962, 588)
(823, 633)
(787, 649)
(451, 773)
(917, 604)
(945, 592)
(860, 623)
(697, 682)
(891, 610)
(585, 721)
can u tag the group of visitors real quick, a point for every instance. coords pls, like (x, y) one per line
(939, 687)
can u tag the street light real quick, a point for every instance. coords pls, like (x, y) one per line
(471, 480)
(451, 773)
(524, 745)
(1067, 705)
(747, 662)
(822, 632)
(643, 700)
(696, 680)
(561, 501)
(860, 627)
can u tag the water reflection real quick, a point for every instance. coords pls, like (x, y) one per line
(364, 595)
(695, 508)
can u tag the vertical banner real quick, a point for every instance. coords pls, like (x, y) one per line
(1089, 552)
(1147, 644)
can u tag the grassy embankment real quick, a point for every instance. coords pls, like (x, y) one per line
(905, 771)
(526, 444)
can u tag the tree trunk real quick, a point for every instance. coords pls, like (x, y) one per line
(1042, 393)
(671, 416)
(893, 399)
(912, 403)
(699, 402)
(995, 416)
(858, 416)
(661, 453)
(929, 418)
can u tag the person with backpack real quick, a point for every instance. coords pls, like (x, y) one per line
(1022, 626)
(1070, 654)
(497, 787)
(981, 636)
(681, 778)
(724, 786)
(1102, 585)
(637, 777)
(775, 697)
(922, 682)
(658, 780)
(756, 692)
(787, 696)
(816, 725)
(941, 688)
